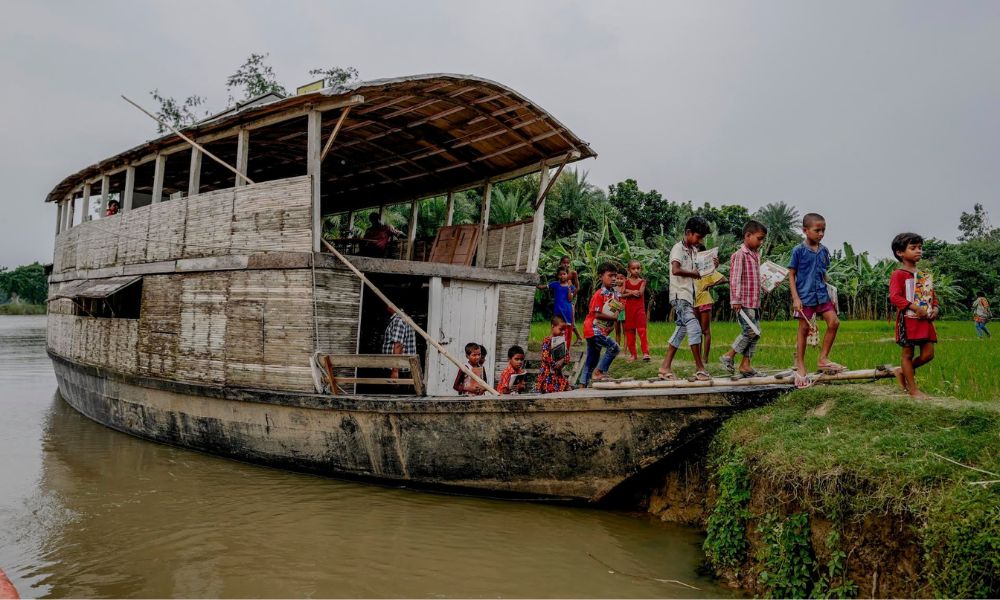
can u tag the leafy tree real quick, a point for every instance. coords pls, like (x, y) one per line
(574, 204)
(782, 222)
(976, 225)
(336, 76)
(255, 77)
(178, 114)
(511, 206)
(26, 283)
(647, 213)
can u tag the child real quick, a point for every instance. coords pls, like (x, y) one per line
(981, 314)
(807, 279)
(635, 311)
(464, 384)
(620, 288)
(683, 275)
(563, 294)
(914, 329)
(744, 295)
(703, 304)
(550, 376)
(515, 366)
(574, 278)
(598, 325)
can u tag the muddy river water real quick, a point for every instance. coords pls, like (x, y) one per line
(89, 512)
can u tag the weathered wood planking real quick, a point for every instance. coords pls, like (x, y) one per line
(270, 216)
(338, 310)
(513, 321)
(507, 246)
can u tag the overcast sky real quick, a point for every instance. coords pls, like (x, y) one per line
(883, 116)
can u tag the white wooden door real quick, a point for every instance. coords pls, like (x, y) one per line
(460, 312)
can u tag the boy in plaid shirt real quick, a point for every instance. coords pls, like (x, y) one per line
(398, 339)
(744, 295)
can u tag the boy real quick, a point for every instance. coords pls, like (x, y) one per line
(563, 294)
(464, 384)
(515, 363)
(398, 339)
(683, 275)
(807, 279)
(744, 295)
(598, 325)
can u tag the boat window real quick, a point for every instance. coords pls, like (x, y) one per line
(113, 298)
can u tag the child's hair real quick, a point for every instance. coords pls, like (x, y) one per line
(562, 270)
(557, 320)
(810, 218)
(901, 241)
(563, 257)
(633, 262)
(622, 271)
(753, 227)
(115, 202)
(374, 218)
(697, 225)
(701, 247)
(606, 268)
(482, 351)
(470, 347)
(514, 351)
(980, 295)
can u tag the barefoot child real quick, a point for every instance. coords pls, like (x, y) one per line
(744, 295)
(574, 278)
(703, 304)
(635, 311)
(981, 315)
(620, 288)
(807, 279)
(550, 376)
(683, 275)
(515, 366)
(598, 325)
(914, 330)
(563, 294)
(464, 384)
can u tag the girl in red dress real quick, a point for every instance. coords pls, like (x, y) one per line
(633, 294)
(914, 328)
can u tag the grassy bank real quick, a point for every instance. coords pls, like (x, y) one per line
(964, 367)
(22, 309)
(906, 487)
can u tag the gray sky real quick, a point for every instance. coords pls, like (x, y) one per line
(883, 115)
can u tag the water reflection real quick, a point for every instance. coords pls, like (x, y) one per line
(108, 515)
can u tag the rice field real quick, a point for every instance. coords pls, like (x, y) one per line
(964, 366)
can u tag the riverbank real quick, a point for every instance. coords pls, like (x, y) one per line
(848, 490)
(22, 309)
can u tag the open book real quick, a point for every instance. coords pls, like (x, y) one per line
(920, 291)
(517, 379)
(704, 262)
(771, 275)
(557, 348)
(612, 307)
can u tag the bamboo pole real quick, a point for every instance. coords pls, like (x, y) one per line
(336, 130)
(190, 141)
(879, 373)
(479, 380)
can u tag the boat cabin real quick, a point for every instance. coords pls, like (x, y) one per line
(215, 268)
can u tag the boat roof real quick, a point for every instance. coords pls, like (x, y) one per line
(404, 138)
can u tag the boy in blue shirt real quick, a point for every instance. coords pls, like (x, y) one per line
(810, 297)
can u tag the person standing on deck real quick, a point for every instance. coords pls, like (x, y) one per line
(398, 339)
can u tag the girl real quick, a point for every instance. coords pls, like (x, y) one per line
(917, 308)
(703, 303)
(633, 294)
(550, 376)
(620, 287)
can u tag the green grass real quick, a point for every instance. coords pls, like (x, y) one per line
(22, 309)
(964, 367)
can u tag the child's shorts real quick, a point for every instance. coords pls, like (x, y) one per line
(809, 311)
(704, 308)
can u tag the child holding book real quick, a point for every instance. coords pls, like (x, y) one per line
(602, 313)
(811, 298)
(563, 294)
(633, 295)
(703, 305)
(620, 288)
(911, 292)
(465, 385)
(744, 297)
(555, 356)
(512, 379)
(683, 275)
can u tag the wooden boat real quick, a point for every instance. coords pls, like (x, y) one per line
(193, 316)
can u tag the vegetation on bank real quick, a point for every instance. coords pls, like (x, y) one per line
(845, 454)
(22, 309)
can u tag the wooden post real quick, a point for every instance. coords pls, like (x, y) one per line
(503, 242)
(160, 165)
(194, 177)
(484, 223)
(129, 188)
(105, 195)
(243, 155)
(449, 211)
(86, 203)
(72, 212)
(411, 236)
(59, 217)
(65, 215)
(314, 129)
(538, 223)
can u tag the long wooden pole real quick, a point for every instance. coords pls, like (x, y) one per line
(479, 380)
(879, 373)
(333, 135)
(190, 141)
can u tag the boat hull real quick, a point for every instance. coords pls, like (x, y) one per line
(576, 446)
